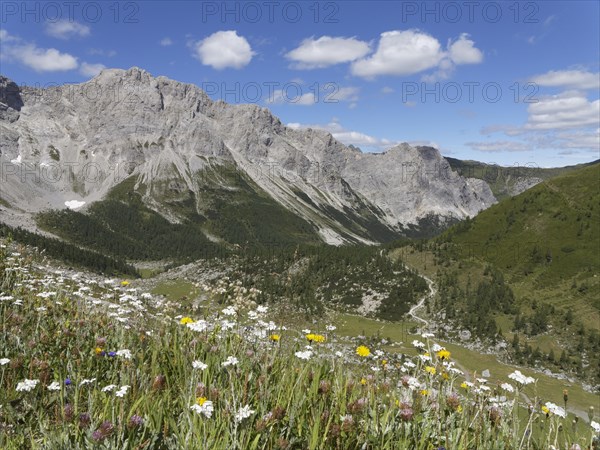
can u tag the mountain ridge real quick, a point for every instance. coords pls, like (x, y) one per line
(168, 134)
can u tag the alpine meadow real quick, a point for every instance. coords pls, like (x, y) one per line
(324, 225)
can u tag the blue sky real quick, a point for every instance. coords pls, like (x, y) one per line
(504, 82)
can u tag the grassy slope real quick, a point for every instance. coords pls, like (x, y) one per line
(70, 254)
(176, 290)
(401, 334)
(122, 225)
(311, 398)
(502, 179)
(548, 388)
(242, 212)
(545, 240)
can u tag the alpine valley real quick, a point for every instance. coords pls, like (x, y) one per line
(214, 209)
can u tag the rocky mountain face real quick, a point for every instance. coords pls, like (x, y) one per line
(170, 144)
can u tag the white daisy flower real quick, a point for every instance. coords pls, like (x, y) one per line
(27, 385)
(243, 413)
(230, 361)
(87, 381)
(125, 353)
(54, 386)
(555, 409)
(520, 378)
(229, 311)
(200, 326)
(199, 365)
(205, 408)
(122, 391)
(304, 355)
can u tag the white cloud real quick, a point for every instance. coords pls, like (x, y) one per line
(400, 53)
(549, 20)
(100, 52)
(571, 79)
(365, 141)
(534, 39)
(91, 70)
(349, 94)
(279, 97)
(387, 90)
(460, 51)
(499, 146)
(327, 95)
(44, 60)
(327, 51)
(569, 109)
(426, 143)
(349, 137)
(568, 120)
(224, 49)
(65, 29)
(38, 59)
(445, 69)
(463, 51)
(587, 140)
(165, 42)
(413, 51)
(306, 99)
(581, 140)
(5, 37)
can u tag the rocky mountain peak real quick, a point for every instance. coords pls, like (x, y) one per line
(127, 123)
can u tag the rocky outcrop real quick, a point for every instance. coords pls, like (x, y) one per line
(76, 142)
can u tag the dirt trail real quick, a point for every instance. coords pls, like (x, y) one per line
(432, 292)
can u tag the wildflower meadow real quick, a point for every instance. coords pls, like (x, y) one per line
(94, 363)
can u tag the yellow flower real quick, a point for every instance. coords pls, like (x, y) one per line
(315, 337)
(424, 392)
(445, 376)
(363, 351)
(98, 350)
(464, 385)
(186, 320)
(275, 337)
(124, 283)
(545, 410)
(201, 400)
(363, 381)
(430, 370)
(459, 409)
(384, 362)
(443, 354)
